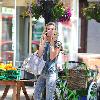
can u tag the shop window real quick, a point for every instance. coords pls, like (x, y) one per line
(37, 30)
(6, 44)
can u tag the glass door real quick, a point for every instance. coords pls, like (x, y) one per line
(6, 33)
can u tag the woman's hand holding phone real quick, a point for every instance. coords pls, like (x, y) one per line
(52, 40)
(44, 38)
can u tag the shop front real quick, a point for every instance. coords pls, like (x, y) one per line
(19, 37)
(7, 33)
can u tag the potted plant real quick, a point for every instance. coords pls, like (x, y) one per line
(92, 11)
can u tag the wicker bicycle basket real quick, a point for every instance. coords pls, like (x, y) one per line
(77, 78)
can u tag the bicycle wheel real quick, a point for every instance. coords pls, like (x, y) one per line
(92, 91)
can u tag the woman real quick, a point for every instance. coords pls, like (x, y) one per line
(49, 47)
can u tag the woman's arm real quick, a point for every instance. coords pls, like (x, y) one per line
(42, 45)
(54, 52)
(55, 49)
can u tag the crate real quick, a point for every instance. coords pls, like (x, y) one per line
(13, 74)
(2, 74)
(77, 79)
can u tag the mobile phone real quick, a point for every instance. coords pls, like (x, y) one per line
(46, 33)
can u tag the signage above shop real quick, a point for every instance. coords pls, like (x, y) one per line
(12, 3)
(93, 0)
(6, 10)
(8, 3)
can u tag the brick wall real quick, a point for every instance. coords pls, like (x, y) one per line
(92, 61)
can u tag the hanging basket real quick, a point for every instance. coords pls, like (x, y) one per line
(49, 10)
(92, 11)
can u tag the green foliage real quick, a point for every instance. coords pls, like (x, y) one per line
(82, 92)
(63, 76)
(92, 11)
(36, 11)
(64, 93)
(57, 11)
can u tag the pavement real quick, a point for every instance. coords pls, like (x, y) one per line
(29, 90)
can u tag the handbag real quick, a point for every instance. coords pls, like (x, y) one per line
(61, 60)
(33, 64)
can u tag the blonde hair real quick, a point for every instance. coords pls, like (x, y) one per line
(50, 23)
(45, 30)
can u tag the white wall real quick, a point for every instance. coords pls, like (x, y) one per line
(93, 39)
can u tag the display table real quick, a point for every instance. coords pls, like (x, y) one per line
(17, 85)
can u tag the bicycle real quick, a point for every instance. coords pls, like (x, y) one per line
(65, 92)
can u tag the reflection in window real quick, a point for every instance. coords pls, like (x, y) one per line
(37, 30)
(6, 49)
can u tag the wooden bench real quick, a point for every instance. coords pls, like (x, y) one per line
(17, 86)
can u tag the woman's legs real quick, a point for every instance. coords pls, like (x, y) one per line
(50, 86)
(40, 85)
